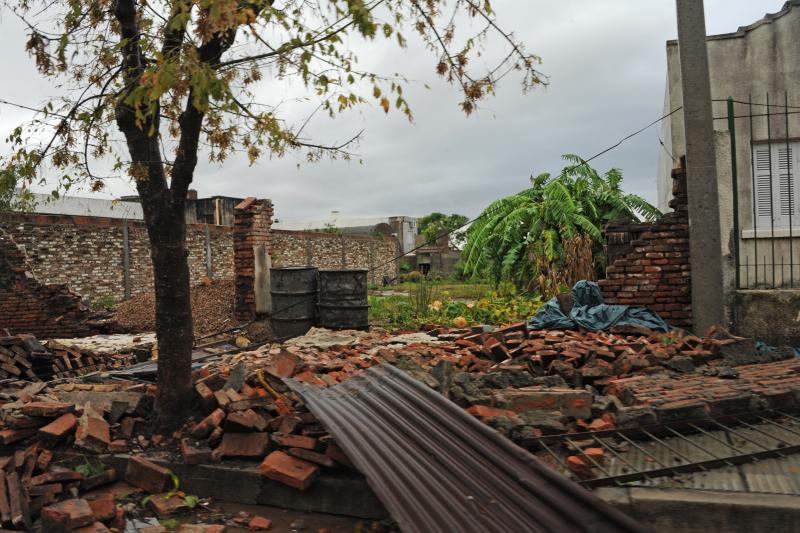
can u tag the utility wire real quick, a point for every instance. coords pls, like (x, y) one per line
(486, 213)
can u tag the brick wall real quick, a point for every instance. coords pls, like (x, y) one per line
(28, 306)
(87, 253)
(655, 272)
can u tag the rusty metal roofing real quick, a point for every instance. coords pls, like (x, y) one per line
(437, 469)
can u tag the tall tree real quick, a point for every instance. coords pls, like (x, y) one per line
(172, 76)
(437, 225)
(532, 236)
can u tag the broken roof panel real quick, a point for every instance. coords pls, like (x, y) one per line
(437, 469)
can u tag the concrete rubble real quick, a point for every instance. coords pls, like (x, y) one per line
(524, 384)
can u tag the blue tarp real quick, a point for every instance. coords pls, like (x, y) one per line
(589, 312)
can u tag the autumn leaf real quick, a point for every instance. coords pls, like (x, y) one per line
(385, 104)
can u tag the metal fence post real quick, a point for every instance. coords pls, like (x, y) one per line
(735, 187)
(126, 260)
(209, 269)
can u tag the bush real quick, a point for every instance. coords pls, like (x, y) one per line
(415, 276)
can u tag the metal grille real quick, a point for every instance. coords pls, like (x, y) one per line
(766, 207)
(644, 454)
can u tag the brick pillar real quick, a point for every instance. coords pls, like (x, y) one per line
(252, 221)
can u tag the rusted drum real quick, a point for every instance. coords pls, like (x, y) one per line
(343, 300)
(294, 299)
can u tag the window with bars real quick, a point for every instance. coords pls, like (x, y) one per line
(776, 194)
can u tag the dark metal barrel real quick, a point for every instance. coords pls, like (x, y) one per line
(294, 299)
(343, 300)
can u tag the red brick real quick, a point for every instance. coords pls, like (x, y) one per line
(484, 411)
(208, 424)
(68, 514)
(312, 457)
(60, 427)
(167, 504)
(147, 475)
(92, 433)
(295, 441)
(259, 523)
(282, 467)
(244, 445)
(103, 506)
(47, 409)
(193, 453)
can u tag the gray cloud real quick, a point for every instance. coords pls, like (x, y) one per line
(606, 62)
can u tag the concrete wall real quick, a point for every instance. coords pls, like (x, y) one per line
(771, 316)
(759, 59)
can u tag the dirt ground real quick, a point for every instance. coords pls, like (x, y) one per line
(283, 520)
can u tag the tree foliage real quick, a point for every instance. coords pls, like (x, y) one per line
(437, 225)
(532, 236)
(145, 86)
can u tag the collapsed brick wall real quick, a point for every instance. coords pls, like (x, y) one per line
(252, 222)
(29, 306)
(656, 273)
(87, 253)
(330, 250)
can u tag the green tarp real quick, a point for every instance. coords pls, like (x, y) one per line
(589, 312)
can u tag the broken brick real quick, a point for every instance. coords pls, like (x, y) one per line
(295, 441)
(259, 523)
(167, 504)
(103, 506)
(243, 445)
(67, 515)
(92, 433)
(47, 409)
(193, 453)
(147, 475)
(282, 467)
(312, 457)
(208, 424)
(60, 427)
(484, 411)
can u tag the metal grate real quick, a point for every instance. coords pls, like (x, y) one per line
(646, 453)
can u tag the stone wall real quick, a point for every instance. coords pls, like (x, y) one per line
(331, 250)
(28, 306)
(655, 272)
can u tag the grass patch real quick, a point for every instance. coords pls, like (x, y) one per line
(431, 303)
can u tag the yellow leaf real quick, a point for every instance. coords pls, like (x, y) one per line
(385, 104)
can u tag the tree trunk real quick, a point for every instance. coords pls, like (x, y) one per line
(164, 216)
(167, 232)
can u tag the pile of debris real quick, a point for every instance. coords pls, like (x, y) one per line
(24, 357)
(212, 308)
(523, 383)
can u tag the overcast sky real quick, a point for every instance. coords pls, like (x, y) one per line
(606, 62)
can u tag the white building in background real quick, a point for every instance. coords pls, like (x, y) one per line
(402, 227)
(88, 207)
(757, 62)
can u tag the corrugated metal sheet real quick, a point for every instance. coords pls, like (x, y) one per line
(437, 469)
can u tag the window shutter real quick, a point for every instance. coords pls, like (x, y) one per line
(763, 192)
(786, 187)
